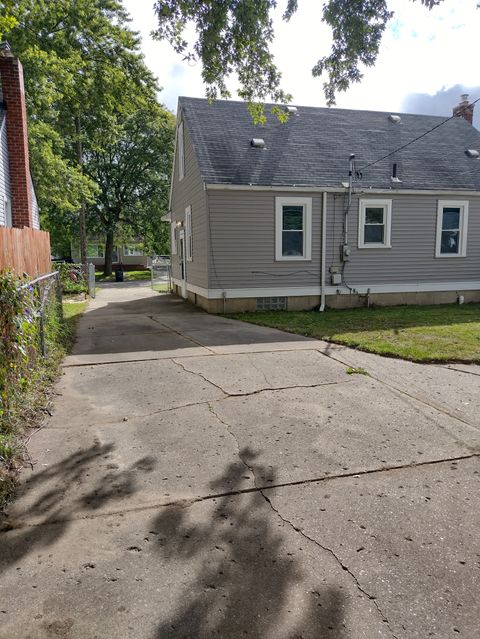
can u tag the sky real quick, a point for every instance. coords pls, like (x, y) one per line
(427, 58)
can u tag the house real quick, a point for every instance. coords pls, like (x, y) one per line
(336, 207)
(18, 204)
(130, 254)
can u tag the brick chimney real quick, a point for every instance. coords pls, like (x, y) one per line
(11, 76)
(464, 109)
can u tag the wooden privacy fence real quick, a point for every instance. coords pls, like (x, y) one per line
(25, 251)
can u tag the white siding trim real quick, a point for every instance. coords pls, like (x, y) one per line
(337, 189)
(173, 237)
(292, 291)
(463, 206)
(188, 234)
(181, 151)
(306, 202)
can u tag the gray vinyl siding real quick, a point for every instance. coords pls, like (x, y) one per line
(190, 192)
(411, 258)
(243, 242)
(5, 193)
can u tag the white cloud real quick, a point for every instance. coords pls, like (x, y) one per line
(422, 52)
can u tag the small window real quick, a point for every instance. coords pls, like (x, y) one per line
(173, 238)
(452, 222)
(188, 234)
(181, 152)
(293, 233)
(374, 223)
(132, 250)
(271, 303)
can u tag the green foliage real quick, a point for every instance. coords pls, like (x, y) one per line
(19, 331)
(81, 61)
(72, 278)
(235, 37)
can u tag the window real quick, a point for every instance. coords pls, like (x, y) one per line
(293, 228)
(374, 223)
(98, 251)
(181, 152)
(95, 250)
(173, 237)
(452, 222)
(132, 250)
(188, 234)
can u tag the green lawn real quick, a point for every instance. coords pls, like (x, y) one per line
(160, 288)
(447, 333)
(129, 276)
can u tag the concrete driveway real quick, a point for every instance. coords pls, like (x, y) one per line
(202, 477)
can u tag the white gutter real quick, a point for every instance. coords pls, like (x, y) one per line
(339, 189)
(323, 256)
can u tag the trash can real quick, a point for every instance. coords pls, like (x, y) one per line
(119, 275)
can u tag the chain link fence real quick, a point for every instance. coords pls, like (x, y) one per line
(47, 306)
(161, 275)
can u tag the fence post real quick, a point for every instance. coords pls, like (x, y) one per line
(91, 280)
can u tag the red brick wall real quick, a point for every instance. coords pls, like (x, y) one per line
(17, 140)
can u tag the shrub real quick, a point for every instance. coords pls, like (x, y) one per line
(19, 330)
(73, 279)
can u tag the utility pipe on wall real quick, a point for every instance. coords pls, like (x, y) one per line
(323, 249)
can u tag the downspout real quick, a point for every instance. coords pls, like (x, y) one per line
(323, 249)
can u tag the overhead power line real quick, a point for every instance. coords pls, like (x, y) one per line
(400, 148)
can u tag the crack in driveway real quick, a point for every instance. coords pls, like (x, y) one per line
(243, 459)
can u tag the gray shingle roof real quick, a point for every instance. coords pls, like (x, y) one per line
(313, 148)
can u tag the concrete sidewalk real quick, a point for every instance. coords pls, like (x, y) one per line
(202, 477)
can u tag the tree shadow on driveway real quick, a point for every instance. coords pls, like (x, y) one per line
(58, 503)
(249, 577)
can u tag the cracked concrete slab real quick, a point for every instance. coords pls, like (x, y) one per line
(450, 388)
(410, 537)
(112, 392)
(224, 568)
(167, 457)
(304, 433)
(249, 373)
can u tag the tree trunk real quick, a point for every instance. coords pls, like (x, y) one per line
(81, 214)
(107, 270)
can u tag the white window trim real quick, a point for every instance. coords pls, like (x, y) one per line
(173, 237)
(463, 206)
(181, 151)
(188, 234)
(306, 202)
(387, 206)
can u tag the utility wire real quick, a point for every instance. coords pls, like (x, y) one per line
(400, 148)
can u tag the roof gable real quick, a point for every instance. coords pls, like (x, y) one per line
(313, 147)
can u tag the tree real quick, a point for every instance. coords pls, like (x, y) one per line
(81, 63)
(133, 177)
(235, 36)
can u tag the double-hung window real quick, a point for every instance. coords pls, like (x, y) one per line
(188, 234)
(452, 222)
(374, 223)
(293, 228)
(181, 151)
